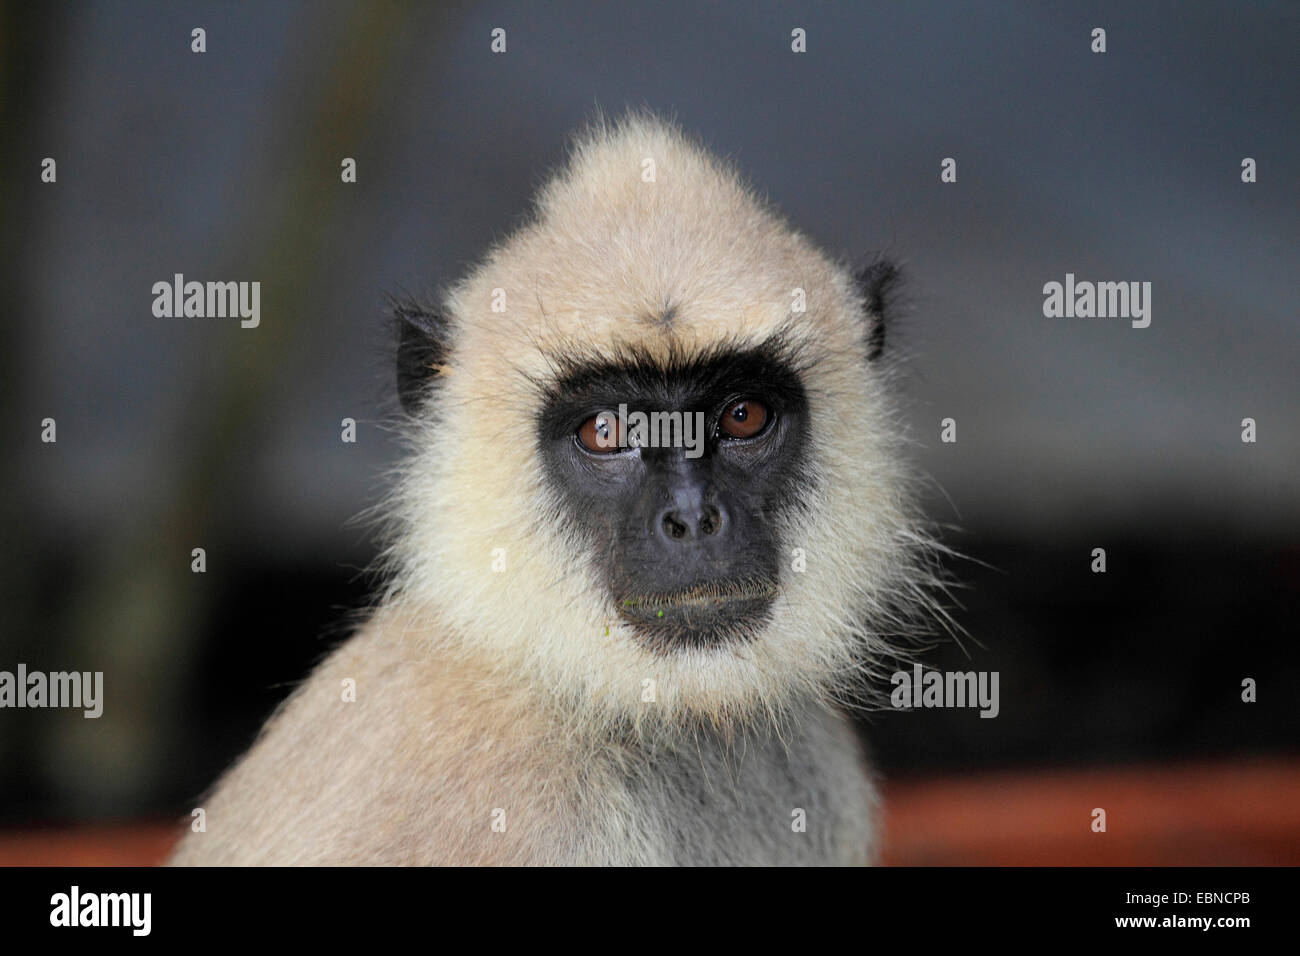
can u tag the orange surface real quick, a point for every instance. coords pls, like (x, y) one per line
(1245, 813)
(1228, 814)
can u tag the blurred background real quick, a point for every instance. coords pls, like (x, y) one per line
(1119, 690)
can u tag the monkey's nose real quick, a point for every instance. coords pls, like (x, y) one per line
(693, 521)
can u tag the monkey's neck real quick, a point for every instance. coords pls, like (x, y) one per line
(456, 668)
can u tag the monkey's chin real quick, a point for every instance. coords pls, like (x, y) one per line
(695, 623)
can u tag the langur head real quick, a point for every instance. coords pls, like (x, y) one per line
(655, 466)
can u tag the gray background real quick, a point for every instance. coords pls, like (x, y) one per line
(1073, 433)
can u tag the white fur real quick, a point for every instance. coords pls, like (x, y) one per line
(523, 689)
(605, 255)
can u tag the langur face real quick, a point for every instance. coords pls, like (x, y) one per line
(677, 476)
(651, 444)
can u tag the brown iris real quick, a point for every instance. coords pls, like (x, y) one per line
(600, 433)
(744, 419)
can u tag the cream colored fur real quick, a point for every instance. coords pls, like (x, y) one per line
(522, 690)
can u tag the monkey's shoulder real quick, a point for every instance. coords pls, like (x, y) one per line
(389, 752)
(393, 752)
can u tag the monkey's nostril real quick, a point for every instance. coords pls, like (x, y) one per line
(711, 521)
(673, 528)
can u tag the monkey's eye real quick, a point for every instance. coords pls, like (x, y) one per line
(600, 434)
(744, 419)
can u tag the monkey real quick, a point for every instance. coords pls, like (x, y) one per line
(589, 647)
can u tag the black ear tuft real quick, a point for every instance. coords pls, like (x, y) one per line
(422, 349)
(878, 283)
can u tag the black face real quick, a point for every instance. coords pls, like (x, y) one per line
(685, 535)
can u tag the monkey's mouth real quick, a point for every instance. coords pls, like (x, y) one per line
(710, 594)
(705, 615)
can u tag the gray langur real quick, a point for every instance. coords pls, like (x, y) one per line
(654, 532)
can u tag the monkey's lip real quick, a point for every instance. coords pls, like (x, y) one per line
(712, 595)
(713, 614)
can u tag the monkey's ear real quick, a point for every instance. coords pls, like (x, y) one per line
(422, 348)
(878, 282)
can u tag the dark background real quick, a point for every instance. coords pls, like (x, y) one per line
(1072, 433)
